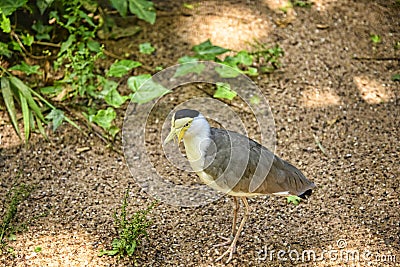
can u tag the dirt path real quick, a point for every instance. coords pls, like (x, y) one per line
(335, 86)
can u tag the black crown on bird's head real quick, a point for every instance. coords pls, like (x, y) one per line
(186, 113)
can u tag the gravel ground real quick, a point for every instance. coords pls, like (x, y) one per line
(334, 89)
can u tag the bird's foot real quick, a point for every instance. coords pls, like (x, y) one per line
(230, 251)
(228, 241)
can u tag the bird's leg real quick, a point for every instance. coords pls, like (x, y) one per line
(232, 247)
(228, 240)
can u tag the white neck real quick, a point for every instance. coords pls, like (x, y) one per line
(196, 141)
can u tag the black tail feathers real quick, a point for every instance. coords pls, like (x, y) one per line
(305, 194)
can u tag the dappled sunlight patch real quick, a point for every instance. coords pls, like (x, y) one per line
(371, 91)
(315, 97)
(232, 27)
(57, 249)
(323, 5)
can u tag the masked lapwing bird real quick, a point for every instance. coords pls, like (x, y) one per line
(235, 165)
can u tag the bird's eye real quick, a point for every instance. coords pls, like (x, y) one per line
(186, 125)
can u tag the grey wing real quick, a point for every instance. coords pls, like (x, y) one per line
(240, 164)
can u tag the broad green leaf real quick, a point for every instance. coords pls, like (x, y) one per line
(227, 72)
(121, 6)
(293, 199)
(57, 117)
(42, 30)
(43, 5)
(208, 51)
(67, 44)
(25, 116)
(145, 90)
(186, 68)
(4, 51)
(113, 131)
(5, 24)
(146, 48)
(27, 39)
(224, 91)
(93, 46)
(27, 69)
(134, 82)
(9, 102)
(187, 59)
(244, 58)
(112, 96)
(9, 6)
(122, 67)
(143, 9)
(104, 118)
(25, 91)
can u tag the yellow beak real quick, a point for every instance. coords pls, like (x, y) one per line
(175, 132)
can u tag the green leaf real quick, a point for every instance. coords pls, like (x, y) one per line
(112, 96)
(224, 91)
(227, 72)
(121, 6)
(25, 115)
(375, 38)
(25, 91)
(251, 71)
(293, 199)
(57, 117)
(146, 48)
(67, 44)
(42, 30)
(27, 39)
(113, 130)
(244, 58)
(37, 249)
(9, 102)
(27, 69)
(4, 51)
(134, 82)
(43, 5)
(143, 9)
(145, 88)
(396, 77)
(93, 46)
(108, 252)
(9, 6)
(208, 51)
(186, 68)
(5, 24)
(104, 118)
(188, 6)
(187, 59)
(122, 67)
(41, 128)
(52, 90)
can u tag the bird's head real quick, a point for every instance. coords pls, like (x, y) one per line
(187, 123)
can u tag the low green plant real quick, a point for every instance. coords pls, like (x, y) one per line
(295, 200)
(375, 38)
(9, 227)
(143, 9)
(131, 231)
(301, 3)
